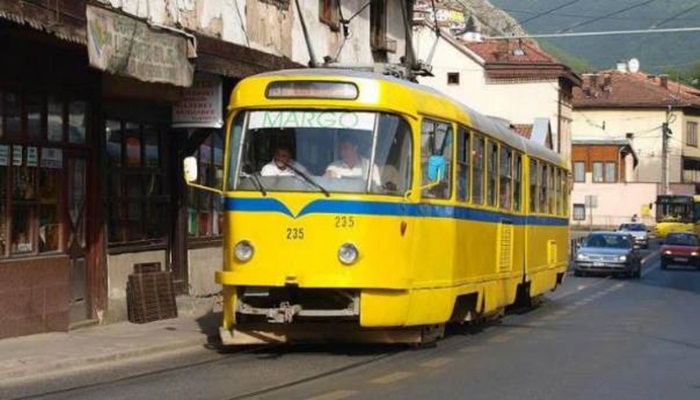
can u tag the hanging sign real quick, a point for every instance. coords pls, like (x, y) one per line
(201, 105)
(126, 46)
(4, 155)
(17, 156)
(32, 157)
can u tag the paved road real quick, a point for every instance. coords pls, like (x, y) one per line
(595, 338)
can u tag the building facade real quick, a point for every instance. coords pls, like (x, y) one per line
(99, 103)
(616, 106)
(510, 79)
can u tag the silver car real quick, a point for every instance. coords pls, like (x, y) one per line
(639, 231)
(610, 253)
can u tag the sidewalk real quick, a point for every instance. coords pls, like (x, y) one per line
(35, 355)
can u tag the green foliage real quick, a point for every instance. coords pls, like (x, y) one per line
(577, 64)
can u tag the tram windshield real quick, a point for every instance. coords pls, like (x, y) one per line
(674, 209)
(320, 151)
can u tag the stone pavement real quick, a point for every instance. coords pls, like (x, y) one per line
(33, 356)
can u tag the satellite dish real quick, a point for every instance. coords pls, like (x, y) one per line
(633, 65)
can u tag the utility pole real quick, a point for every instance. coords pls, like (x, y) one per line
(665, 135)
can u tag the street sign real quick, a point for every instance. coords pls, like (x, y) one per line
(591, 201)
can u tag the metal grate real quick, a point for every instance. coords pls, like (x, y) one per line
(150, 294)
(505, 246)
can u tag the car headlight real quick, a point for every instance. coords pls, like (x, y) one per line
(622, 258)
(694, 254)
(348, 253)
(581, 257)
(667, 252)
(244, 251)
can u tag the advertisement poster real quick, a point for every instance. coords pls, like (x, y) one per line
(32, 157)
(4, 155)
(17, 156)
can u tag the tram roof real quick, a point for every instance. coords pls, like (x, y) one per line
(491, 126)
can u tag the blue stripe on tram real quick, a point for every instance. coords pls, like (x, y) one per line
(378, 208)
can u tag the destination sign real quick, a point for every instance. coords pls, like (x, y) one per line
(312, 119)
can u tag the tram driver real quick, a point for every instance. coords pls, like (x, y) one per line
(351, 163)
(280, 164)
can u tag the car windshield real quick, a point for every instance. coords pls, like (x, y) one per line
(682, 239)
(328, 151)
(608, 241)
(633, 227)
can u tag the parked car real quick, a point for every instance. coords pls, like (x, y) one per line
(681, 248)
(609, 253)
(639, 231)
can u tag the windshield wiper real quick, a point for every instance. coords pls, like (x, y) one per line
(259, 184)
(308, 179)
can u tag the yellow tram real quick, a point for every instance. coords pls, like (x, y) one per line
(359, 207)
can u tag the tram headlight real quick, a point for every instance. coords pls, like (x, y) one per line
(348, 253)
(244, 251)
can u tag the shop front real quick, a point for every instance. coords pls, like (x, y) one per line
(49, 263)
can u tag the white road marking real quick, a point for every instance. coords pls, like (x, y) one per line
(391, 378)
(336, 395)
(436, 363)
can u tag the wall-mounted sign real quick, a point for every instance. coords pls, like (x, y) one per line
(32, 157)
(126, 46)
(17, 156)
(201, 105)
(4, 155)
(51, 158)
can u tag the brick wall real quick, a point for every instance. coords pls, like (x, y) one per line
(34, 296)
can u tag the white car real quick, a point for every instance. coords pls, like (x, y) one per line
(639, 231)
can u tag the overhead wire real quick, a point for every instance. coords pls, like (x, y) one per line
(541, 14)
(592, 20)
(675, 16)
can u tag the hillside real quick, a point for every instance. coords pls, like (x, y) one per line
(657, 52)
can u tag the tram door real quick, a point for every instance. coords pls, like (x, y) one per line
(76, 205)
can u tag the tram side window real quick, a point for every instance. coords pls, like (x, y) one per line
(517, 181)
(533, 186)
(506, 178)
(492, 175)
(478, 162)
(393, 155)
(557, 187)
(463, 163)
(436, 139)
(542, 187)
(551, 207)
(565, 192)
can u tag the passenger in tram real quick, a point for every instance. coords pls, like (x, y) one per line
(351, 163)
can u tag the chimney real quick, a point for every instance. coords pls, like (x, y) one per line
(622, 66)
(593, 80)
(607, 81)
(663, 81)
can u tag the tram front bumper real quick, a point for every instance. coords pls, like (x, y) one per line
(261, 334)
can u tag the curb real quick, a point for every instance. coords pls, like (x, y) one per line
(65, 366)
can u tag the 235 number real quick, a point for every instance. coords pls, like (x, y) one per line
(295, 233)
(343, 221)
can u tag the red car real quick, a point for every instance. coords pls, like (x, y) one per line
(681, 248)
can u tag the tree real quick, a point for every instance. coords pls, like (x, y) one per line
(471, 25)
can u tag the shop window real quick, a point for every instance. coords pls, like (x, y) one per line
(77, 122)
(205, 212)
(139, 204)
(32, 177)
(35, 108)
(463, 163)
(579, 171)
(12, 113)
(54, 131)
